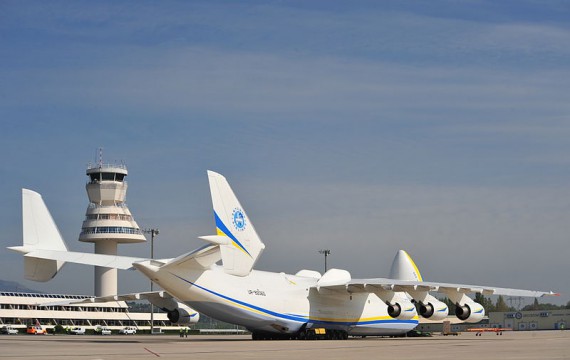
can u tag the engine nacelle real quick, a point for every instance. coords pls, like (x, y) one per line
(402, 309)
(433, 310)
(181, 316)
(471, 312)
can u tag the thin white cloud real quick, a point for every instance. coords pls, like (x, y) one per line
(212, 81)
(523, 38)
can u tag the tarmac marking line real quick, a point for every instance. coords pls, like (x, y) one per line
(152, 352)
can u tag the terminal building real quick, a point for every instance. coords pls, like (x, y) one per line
(21, 309)
(531, 320)
(514, 320)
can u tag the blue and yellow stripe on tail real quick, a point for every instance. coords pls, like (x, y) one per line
(222, 229)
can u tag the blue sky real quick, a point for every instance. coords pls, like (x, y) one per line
(438, 127)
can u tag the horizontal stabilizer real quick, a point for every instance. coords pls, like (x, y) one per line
(111, 261)
(201, 258)
(216, 239)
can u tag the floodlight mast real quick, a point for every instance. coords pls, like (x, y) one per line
(153, 233)
(326, 252)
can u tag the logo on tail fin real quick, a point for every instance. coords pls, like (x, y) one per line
(223, 230)
(238, 219)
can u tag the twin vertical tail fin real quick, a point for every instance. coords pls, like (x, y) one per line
(404, 268)
(39, 233)
(239, 243)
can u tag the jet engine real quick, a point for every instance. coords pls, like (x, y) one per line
(470, 311)
(181, 316)
(401, 309)
(433, 309)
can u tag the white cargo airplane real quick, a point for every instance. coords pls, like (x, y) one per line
(270, 305)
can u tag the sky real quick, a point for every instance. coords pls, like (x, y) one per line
(363, 127)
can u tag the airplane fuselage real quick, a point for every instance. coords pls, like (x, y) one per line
(276, 302)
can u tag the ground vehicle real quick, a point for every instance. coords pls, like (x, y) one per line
(417, 333)
(77, 331)
(102, 330)
(36, 330)
(9, 330)
(129, 330)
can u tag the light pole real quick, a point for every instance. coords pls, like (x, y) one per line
(327, 253)
(153, 233)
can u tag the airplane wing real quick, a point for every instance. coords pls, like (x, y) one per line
(201, 258)
(380, 284)
(407, 295)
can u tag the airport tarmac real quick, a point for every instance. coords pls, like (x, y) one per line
(511, 345)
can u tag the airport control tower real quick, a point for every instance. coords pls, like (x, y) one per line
(108, 221)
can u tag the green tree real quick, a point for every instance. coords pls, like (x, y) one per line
(58, 329)
(546, 306)
(450, 304)
(486, 302)
(501, 304)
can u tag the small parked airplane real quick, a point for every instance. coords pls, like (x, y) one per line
(271, 305)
